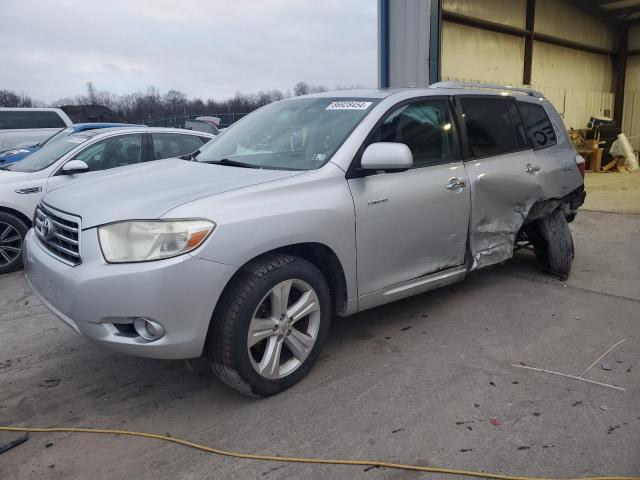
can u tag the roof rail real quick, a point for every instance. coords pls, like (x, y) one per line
(491, 86)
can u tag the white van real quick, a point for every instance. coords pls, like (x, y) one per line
(22, 127)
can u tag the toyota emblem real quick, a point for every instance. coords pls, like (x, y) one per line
(48, 230)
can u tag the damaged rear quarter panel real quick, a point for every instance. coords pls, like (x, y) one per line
(502, 193)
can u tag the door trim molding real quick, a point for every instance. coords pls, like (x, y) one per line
(412, 287)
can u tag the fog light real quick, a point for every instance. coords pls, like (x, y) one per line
(148, 329)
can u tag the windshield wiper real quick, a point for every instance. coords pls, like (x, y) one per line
(190, 156)
(231, 163)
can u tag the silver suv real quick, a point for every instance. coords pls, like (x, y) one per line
(310, 207)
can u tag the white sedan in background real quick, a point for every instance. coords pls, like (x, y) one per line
(24, 183)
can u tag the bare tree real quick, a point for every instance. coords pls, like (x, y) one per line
(12, 99)
(175, 102)
(301, 88)
(144, 107)
(91, 94)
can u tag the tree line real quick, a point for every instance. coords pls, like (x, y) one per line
(141, 107)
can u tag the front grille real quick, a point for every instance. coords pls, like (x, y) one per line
(59, 233)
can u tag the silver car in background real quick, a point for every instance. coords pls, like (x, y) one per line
(313, 206)
(77, 156)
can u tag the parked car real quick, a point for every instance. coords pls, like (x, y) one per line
(15, 154)
(27, 126)
(204, 124)
(74, 157)
(325, 204)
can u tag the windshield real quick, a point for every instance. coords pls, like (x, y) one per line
(48, 155)
(57, 136)
(300, 134)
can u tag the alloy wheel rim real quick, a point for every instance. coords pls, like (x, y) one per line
(283, 329)
(10, 244)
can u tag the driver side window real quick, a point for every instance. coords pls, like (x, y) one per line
(113, 152)
(424, 127)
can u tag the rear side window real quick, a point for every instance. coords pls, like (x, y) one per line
(14, 120)
(424, 127)
(167, 145)
(539, 129)
(493, 126)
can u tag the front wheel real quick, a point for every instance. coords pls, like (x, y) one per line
(12, 233)
(271, 325)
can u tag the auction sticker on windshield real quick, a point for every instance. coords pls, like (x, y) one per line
(348, 105)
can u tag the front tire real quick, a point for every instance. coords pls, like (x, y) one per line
(12, 233)
(271, 325)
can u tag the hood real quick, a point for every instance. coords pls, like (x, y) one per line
(7, 176)
(148, 190)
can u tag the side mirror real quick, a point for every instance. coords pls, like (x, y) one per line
(387, 156)
(75, 166)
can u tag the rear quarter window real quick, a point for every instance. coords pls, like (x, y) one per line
(493, 126)
(538, 125)
(14, 120)
(167, 145)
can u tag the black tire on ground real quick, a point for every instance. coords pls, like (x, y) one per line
(226, 345)
(11, 224)
(553, 244)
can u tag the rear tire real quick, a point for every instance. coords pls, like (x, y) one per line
(553, 244)
(270, 326)
(12, 233)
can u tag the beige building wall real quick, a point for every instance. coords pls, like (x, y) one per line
(578, 83)
(631, 115)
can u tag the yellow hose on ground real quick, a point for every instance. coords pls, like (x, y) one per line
(273, 458)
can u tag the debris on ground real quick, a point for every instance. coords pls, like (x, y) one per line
(610, 430)
(605, 366)
(581, 377)
(494, 422)
(5, 447)
(50, 383)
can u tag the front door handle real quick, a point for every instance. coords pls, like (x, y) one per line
(456, 183)
(532, 169)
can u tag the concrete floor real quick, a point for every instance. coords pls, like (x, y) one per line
(415, 382)
(613, 192)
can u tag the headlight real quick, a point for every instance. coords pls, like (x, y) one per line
(8, 153)
(143, 241)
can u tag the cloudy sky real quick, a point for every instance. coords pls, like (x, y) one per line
(206, 48)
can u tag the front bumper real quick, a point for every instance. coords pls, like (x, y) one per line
(180, 293)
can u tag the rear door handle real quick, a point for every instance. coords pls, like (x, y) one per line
(533, 169)
(456, 183)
